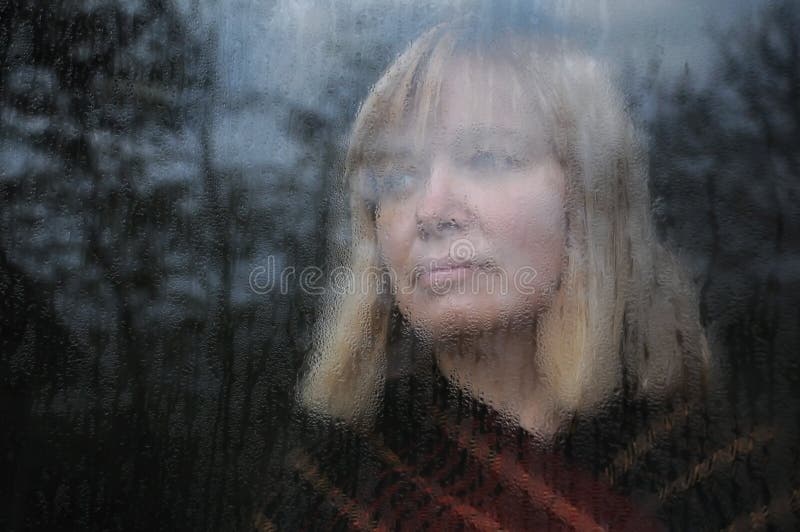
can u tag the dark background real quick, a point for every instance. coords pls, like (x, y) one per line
(142, 380)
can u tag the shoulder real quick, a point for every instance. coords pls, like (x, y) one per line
(318, 473)
(686, 465)
(708, 470)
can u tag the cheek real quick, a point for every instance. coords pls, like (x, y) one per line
(545, 228)
(530, 230)
(394, 236)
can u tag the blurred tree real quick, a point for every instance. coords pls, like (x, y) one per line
(726, 175)
(96, 168)
(29, 328)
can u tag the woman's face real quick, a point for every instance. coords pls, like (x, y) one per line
(472, 225)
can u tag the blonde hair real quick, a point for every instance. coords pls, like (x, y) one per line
(624, 314)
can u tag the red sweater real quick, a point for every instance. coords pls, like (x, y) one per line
(439, 460)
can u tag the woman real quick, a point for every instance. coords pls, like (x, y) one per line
(516, 348)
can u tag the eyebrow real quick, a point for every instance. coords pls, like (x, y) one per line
(479, 131)
(486, 136)
(386, 148)
(382, 155)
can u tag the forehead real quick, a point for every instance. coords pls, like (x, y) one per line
(463, 101)
(478, 93)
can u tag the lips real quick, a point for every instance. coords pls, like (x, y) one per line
(431, 265)
(443, 277)
(450, 268)
(444, 270)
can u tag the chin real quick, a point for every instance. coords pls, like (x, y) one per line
(465, 315)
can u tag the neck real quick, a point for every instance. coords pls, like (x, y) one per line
(499, 368)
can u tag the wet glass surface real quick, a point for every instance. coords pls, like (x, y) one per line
(394, 264)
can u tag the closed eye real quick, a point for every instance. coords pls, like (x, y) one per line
(396, 183)
(494, 160)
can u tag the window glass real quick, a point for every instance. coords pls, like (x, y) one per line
(398, 264)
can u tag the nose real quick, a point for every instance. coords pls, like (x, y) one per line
(442, 208)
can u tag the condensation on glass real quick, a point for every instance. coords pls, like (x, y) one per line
(384, 264)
